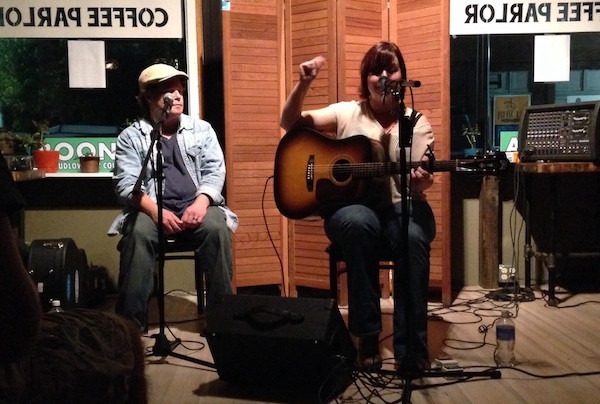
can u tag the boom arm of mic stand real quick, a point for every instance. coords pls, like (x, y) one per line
(155, 139)
(138, 184)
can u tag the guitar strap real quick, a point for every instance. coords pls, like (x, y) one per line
(414, 117)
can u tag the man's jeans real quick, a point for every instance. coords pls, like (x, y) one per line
(139, 246)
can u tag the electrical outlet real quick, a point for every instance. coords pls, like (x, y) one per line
(506, 274)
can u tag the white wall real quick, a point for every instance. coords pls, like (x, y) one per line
(88, 228)
(512, 242)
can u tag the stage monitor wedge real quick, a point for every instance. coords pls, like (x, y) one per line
(301, 345)
(560, 132)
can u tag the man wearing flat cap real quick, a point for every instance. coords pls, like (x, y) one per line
(193, 207)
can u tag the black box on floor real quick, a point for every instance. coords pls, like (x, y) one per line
(59, 270)
(286, 342)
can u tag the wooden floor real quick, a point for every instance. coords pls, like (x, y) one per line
(557, 349)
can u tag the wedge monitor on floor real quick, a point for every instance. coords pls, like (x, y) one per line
(290, 343)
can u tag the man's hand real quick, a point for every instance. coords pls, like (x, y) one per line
(171, 223)
(194, 214)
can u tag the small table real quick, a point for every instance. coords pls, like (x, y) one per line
(551, 169)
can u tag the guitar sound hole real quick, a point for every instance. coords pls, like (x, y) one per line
(342, 171)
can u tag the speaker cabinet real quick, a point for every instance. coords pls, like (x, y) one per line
(290, 343)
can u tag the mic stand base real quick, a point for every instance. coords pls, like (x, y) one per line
(409, 375)
(163, 347)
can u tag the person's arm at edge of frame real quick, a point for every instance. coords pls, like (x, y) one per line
(21, 312)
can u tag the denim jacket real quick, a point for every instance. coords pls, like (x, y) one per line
(201, 154)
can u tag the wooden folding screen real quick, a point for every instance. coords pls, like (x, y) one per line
(421, 30)
(253, 91)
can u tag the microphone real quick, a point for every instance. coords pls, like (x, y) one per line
(383, 85)
(168, 101)
(410, 83)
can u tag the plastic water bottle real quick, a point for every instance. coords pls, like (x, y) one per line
(56, 307)
(505, 340)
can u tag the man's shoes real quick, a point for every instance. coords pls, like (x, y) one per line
(369, 357)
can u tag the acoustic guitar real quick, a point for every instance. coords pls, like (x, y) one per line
(314, 173)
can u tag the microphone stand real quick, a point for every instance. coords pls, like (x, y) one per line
(409, 368)
(163, 347)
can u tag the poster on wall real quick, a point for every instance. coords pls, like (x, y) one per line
(509, 108)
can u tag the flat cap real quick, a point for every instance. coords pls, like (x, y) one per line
(158, 73)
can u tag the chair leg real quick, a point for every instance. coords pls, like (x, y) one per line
(199, 277)
(333, 277)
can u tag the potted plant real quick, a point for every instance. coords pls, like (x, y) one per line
(89, 163)
(471, 133)
(45, 159)
(8, 142)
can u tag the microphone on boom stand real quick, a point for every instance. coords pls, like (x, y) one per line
(383, 85)
(386, 85)
(168, 103)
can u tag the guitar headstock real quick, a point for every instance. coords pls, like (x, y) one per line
(490, 163)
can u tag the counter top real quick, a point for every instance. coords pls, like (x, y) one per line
(28, 175)
(38, 174)
(558, 167)
(79, 175)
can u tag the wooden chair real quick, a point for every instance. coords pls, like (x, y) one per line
(338, 282)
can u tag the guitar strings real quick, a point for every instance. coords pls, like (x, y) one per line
(390, 166)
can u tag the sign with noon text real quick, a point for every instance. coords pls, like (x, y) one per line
(71, 148)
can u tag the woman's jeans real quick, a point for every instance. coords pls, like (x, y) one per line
(362, 233)
(139, 247)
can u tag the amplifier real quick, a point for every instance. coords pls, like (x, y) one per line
(560, 132)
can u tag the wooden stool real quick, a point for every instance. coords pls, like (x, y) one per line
(338, 279)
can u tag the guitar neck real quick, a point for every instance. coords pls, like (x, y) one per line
(382, 169)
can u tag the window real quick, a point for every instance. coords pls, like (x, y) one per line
(486, 67)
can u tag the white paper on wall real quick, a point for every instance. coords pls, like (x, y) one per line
(87, 64)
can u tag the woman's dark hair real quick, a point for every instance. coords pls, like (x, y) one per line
(380, 57)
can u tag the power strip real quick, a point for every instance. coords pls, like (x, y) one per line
(447, 364)
(450, 366)
(506, 274)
